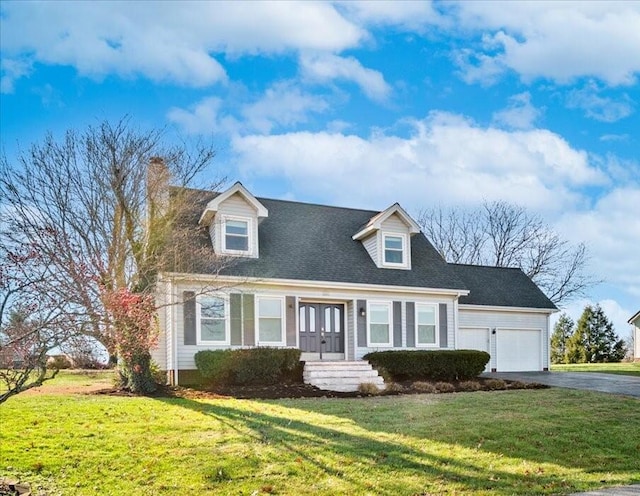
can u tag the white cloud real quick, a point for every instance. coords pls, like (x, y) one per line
(168, 41)
(10, 71)
(557, 40)
(203, 118)
(447, 159)
(519, 114)
(598, 107)
(611, 229)
(327, 67)
(283, 104)
(409, 15)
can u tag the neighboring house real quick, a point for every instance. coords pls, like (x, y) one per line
(358, 280)
(635, 322)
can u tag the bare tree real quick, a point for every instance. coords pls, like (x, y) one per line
(32, 321)
(95, 205)
(505, 235)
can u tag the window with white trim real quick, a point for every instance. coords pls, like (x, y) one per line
(380, 315)
(426, 325)
(270, 320)
(212, 320)
(394, 250)
(236, 235)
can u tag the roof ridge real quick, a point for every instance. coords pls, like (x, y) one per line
(484, 266)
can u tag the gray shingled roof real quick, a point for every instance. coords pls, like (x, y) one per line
(313, 242)
(500, 286)
(302, 241)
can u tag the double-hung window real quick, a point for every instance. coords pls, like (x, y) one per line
(379, 324)
(426, 325)
(236, 235)
(212, 320)
(394, 250)
(270, 320)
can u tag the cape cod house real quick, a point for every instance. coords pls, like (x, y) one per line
(338, 283)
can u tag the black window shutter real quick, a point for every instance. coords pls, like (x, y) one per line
(189, 317)
(235, 304)
(397, 324)
(443, 325)
(411, 324)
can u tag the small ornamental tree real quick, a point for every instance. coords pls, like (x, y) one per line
(135, 332)
(594, 340)
(561, 334)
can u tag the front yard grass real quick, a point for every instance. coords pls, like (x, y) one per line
(551, 441)
(622, 368)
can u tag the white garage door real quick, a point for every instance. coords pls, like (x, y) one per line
(474, 339)
(518, 350)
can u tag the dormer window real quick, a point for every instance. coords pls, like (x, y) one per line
(236, 235)
(387, 238)
(395, 248)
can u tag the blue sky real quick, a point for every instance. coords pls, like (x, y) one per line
(364, 104)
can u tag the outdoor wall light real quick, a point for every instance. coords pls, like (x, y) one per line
(362, 312)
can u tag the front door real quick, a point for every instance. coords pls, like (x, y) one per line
(320, 322)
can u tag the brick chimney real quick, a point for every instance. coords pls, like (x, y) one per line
(158, 177)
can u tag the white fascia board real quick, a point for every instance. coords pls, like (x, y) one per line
(235, 280)
(213, 206)
(632, 319)
(495, 308)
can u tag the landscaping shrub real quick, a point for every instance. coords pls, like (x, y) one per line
(394, 387)
(447, 365)
(424, 387)
(444, 387)
(495, 384)
(214, 365)
(249, 366)
(469, 386)
(368, 388)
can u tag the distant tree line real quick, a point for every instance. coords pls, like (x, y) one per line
(592, 340)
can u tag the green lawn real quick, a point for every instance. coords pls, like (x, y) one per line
(549, 441)
(624, 368)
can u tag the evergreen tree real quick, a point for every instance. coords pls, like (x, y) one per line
(594, 340)
(561, 334)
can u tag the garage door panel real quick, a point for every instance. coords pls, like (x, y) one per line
(518, 350)
(474, 339)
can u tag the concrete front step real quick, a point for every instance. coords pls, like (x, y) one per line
(341, 375)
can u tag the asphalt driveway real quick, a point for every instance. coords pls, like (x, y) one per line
(626, 385)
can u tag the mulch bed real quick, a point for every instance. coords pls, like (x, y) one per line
(300, 390)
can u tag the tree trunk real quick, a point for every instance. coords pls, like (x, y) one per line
(135, 374)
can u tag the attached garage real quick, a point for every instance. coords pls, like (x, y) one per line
(475, 338)
(519, 350)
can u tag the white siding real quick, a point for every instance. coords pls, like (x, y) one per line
(497, 319)
(235, 206)
(395, 224)
(159, 352)
(185, 353)
(636, 340)
(371, 245)
(361, 351)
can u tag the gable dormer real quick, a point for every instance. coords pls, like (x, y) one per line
(387, 238)
(232, 218)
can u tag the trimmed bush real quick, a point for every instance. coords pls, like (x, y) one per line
(444, 387)
(214, 365)
(249, 366)
(446, 365)
(425, 387)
